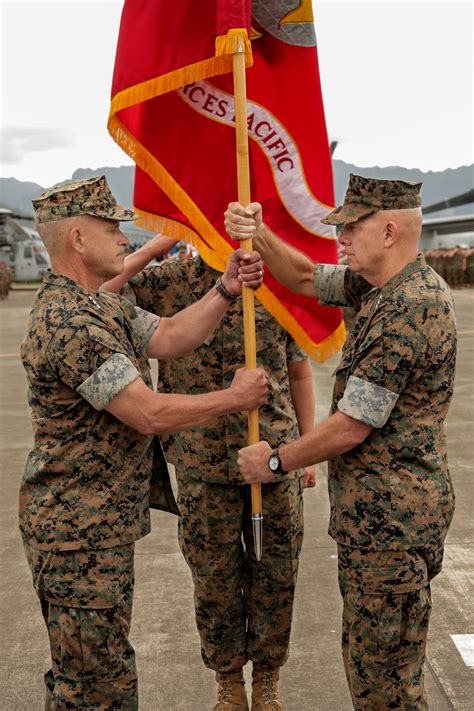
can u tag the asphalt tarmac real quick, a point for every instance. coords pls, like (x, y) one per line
(172, 676)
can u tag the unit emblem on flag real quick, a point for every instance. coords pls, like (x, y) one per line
(290, 22)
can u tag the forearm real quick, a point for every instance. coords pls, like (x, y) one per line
(292, 268)
(137, 261)
(172, 413)
(155, 413)
(139, 407)
(188, 329)
(302, 395)
(336, 435)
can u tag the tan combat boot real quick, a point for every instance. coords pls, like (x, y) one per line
(231, 695)
(266, 689)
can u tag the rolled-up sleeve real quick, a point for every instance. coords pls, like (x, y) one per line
(367, 402)
(145, 324)
(329, 284)
(336, 285)
(113, 376)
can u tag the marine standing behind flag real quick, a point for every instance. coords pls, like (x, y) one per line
(178, 125)
(243, 607)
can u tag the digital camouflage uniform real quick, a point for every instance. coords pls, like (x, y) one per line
(214, 504)
(84, 493)
(391, 497)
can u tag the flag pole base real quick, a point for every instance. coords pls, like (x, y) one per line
(257, 523)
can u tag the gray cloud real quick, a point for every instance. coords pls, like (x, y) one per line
(16, 142)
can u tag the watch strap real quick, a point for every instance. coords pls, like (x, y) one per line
(223, 291)
(279, 469)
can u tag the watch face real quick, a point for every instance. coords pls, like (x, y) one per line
(273, 463)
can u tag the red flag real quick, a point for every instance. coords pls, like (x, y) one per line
(172, 112)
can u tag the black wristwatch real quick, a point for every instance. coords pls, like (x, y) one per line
(274, 463)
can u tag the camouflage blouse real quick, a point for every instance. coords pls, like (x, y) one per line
(209, 453)
(396, 373)
(86, 481)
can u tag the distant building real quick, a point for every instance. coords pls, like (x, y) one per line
(447, 232)
(443, 228)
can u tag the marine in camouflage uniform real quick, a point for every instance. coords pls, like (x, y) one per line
(84, 497)
(84, 494)
(391, 495)
(243, 607)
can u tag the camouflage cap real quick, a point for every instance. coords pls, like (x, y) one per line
(90, 196)
(365, 196)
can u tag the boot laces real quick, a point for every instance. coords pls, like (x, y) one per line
(269, 688)
(225, 690)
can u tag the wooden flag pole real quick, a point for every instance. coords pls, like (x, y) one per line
(243, 188)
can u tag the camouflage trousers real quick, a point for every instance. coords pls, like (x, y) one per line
(86, 601)
(243, 607)
(386, 609)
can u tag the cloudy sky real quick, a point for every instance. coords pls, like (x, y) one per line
(397, 80)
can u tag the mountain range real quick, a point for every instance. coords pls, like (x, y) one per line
(437, 186)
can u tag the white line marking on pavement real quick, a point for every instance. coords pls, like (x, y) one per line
(465, 646)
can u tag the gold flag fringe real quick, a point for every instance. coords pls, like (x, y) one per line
(220, 64)
(318, 351)
(235, 41)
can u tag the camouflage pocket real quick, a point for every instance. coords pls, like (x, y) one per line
(368, 352)
(387, 629)
(386, 604)
(87, 628)
(403, 626)
(210, 528)
(72, 593)
(406, 573)
(381, 571)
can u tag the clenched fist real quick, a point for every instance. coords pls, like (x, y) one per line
(249, 388)
(253, 463)
(243, 269)
(242, 222)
